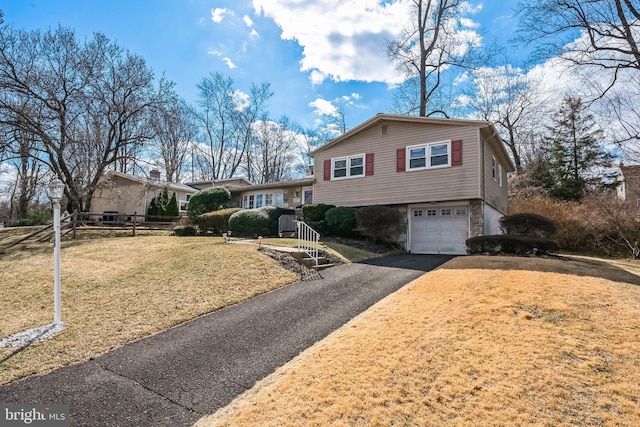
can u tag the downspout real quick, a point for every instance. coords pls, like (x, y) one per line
(482, 178)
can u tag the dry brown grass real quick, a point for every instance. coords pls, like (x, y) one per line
(120, 289)
(511, 344)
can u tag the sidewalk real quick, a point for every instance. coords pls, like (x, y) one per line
(179, 375)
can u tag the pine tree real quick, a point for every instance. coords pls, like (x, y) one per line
(576, 154)
(172, 207)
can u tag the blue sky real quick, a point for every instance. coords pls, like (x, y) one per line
(314, 53)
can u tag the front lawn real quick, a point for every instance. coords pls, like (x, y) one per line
(480, 341)
(120, 289)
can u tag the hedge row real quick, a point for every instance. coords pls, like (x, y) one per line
(508, 244)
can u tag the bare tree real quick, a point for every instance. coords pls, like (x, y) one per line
(425, 50)
(604, 34)
(86, 104)
(515, 103)
(174, 127)
(273, 153)
(225, 117)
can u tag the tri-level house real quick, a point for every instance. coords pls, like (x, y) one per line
(447, 177)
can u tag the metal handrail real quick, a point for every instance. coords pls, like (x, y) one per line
(308, 240)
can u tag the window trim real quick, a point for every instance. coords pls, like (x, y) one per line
(348, 167)
(428, 156)
(499, 174)
(494, 168)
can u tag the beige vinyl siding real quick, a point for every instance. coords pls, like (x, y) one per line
(495, 195)
(387, 186)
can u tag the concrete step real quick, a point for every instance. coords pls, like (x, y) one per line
(322, 266)
(310, 263)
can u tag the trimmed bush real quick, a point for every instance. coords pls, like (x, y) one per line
(379, 222)
(315, 212)
(216, 221)
(257, 222)
(184, 230)
(207, 200)
(528, 224)
(249, 223)
(506, 244)
(341, 220)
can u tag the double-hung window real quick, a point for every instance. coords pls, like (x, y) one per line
(258, 200)
(426, 156)
(347, 167)
(268, 199)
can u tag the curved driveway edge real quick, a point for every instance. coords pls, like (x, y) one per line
(179, 375)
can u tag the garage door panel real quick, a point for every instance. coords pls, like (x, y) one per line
(439, 233)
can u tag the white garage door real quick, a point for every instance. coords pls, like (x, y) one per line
(439, 230)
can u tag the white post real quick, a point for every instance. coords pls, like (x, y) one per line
(57, 316)
(55, 191)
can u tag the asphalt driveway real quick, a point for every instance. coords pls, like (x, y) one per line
(179, 375)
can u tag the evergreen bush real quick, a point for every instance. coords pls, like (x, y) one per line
(216, 221)
(341, 220)
(379, 222)
(315, 212)
(257, 222)
(184, 230)
(207, 200)
(507, 244)
(249, 223)
(162, 208)
(528, 224)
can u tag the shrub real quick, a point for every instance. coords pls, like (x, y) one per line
(172, 209)
(216, 221)
(341, 220)
(506, 244)
(379, 222)
(528, 224)
(184, 230)
(207, 200)
(249, 222)
(37, 216)
(315, 212)
(257, 222)
(599, 224)
(162, 207)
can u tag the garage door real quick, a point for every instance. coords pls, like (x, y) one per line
(439, 230)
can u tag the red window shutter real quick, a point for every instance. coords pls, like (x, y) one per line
(456, 153)
(327, 170)
(401, 159)
(368, 164)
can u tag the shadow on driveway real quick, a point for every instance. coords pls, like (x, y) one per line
(410, 261)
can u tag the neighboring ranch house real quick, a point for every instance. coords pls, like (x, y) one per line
(447, 176)
(122, 194)
(286, 194)
(628, 189)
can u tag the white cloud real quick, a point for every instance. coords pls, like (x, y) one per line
(229, 63)
(241, 99)
(322, 107)
(217, 14)
(247, 20)
(346, 40)
(254, 33)
(214, 52)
